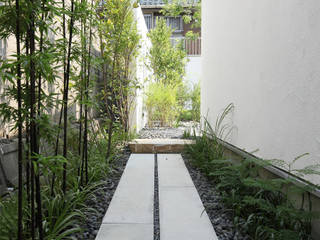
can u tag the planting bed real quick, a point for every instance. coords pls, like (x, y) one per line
(221, 217)
(101, 198)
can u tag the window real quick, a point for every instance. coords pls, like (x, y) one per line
(175, 23)
(148, 19)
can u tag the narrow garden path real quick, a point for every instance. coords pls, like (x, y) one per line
(130, 214)
(157, 198)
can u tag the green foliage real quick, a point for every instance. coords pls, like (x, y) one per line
(186, 134)
(265, 208)
(167, 95)
(189, 103)
(53, 22)
(119, 40)
(166, 60)
(195, 102)
(185, 115)
(161, 103)
(9, 217)
(189, 10)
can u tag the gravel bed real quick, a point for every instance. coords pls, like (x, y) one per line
(161, 132)
(220, 217)
(101, 199)
(166, 132)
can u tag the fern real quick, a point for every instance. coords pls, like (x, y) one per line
(262, 207)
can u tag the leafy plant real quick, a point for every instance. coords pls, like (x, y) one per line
(161, 103)
(265, 208)
(195, 102)
(189, 10)
(51, 73)
(166, 60)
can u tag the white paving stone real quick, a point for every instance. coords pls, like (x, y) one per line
(133, 200)
(182, 215)
(125, 232)
(130, 213)
(172, 171)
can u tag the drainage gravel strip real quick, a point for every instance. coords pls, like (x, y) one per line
(156, 213)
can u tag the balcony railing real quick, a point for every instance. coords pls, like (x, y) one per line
(192, 46)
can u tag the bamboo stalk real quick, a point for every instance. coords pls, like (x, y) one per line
(20, 183)
(65, 99)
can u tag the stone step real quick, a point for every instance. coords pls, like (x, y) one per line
(159, 145)
(182, 214)
(130, 213)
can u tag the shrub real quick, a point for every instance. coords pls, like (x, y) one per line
(161, 103)
(185, 115)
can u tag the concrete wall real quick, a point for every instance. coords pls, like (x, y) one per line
(264, 56)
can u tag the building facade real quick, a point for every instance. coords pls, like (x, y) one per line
(151, 10)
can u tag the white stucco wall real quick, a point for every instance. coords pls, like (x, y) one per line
(138, 116)
(193, 70)
(264, 56)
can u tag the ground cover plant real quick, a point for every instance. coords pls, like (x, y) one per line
(262, 207)
(65, 153)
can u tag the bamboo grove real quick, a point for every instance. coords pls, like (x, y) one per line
(71, 65)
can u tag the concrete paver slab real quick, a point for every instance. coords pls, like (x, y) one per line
(182, 214)
(125, 232)
(131, 205)
(133, 200)
(130, 213)
(172, 171)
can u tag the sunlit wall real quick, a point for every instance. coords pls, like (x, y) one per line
(264, 56)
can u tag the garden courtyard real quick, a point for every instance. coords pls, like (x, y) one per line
(159, 119)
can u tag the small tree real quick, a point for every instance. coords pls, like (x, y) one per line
(167, 60)
(119, 41)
